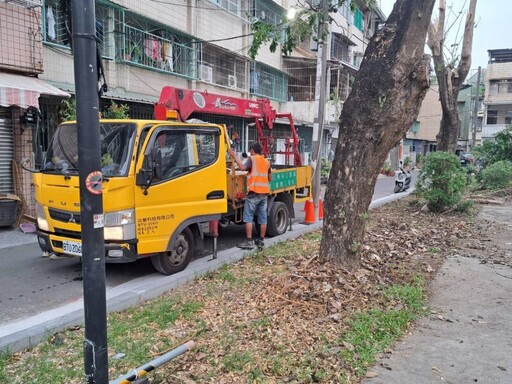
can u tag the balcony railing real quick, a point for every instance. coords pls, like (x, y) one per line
(152, 51)
(491, 130)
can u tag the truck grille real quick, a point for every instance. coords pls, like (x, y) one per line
(64, 216)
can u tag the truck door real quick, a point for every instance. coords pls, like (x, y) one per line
(191, 189)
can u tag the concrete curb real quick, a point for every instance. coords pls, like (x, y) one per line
(30, 331)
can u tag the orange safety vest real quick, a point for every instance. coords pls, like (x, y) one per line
(257, 179)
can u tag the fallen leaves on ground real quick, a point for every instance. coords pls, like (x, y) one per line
(280, 315)
(285, 312)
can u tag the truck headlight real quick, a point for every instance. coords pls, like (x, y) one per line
(42, 222)
(120, 225)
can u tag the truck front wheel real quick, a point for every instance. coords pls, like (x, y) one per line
(177, 259)
(278, 219)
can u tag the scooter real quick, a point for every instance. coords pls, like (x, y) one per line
(402, 180)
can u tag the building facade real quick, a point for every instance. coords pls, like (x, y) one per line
(498, 93)
(200, 45)
(21, 93)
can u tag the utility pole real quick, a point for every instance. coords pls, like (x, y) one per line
(91, 204)
(475, 110)
(320, 90)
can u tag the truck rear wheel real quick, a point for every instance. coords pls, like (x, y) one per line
(278, 219)
(176, 260)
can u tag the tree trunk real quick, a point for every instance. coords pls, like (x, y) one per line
(450, 79)
(384, 103)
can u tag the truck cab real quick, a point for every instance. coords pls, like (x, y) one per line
(161, 179)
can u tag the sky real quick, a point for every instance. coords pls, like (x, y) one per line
(493, 25)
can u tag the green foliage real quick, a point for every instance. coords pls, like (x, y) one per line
(4, 356)
(497, 175)
(442, 181)
(114, 110)
(419, 159)
(498, 149)
(289, 33)
(465, 206)
(407, 161)
(372, 332)
(325, 169)
(67, 110)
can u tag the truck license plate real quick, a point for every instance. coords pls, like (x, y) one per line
(72, 247)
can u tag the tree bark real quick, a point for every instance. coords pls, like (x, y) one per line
(385, 100)
(448, 78)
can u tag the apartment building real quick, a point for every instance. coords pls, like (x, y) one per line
(21, 91)
(201, 45)
(498, 93)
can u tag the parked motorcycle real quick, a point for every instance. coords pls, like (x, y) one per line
(402, 180)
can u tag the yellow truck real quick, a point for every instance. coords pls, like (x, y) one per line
(164, 182)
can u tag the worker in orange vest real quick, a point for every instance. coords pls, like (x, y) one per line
(258, 188)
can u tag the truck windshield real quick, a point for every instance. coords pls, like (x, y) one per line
(116, 147)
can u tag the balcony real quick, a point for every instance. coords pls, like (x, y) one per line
(489, 131)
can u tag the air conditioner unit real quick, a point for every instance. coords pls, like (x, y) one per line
(480, 114)
(232, 81)
(207, 73)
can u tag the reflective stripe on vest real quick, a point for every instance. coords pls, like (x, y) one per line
(257, 179)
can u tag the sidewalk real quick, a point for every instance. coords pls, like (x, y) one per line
(11, 237)
(467, 337)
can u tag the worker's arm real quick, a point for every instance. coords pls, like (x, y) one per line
(238, 162)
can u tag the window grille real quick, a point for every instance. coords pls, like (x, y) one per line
(56, 26)
(269, 12)
(222, 67)
(25, 3)
(268, 82)
(492, 117)
(340, 50)
(237, 8)
(153, 46)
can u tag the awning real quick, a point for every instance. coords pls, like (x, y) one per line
(24, 91)
(114, 93)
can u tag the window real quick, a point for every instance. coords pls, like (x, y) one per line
(232, 6)
(500, 87)
(346, 12)
(508, 117)
(222, 67)
(358, 19)
(268, 82)
(268, 11)
(145, 43)
(492, 117)
(340, 49)
(186, 150)
(56, 27)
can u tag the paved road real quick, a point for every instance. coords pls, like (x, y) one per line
(30, 284)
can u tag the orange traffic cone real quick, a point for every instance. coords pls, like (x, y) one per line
(320, 209)
(309, 207)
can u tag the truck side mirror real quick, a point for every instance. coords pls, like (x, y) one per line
(146, 175)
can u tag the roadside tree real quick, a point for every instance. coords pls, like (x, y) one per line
(384, 102)
(450, 74)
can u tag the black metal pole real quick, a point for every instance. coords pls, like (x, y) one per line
(91, 205)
